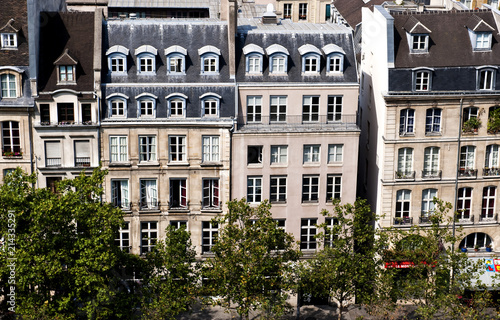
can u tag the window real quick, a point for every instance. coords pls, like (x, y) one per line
(254, 64)
(120, 194)
(178, 224)
(310, 188)
(433, 120)
(287, 11)
(308, 234)
(403, 203)
(488, 206)
(146, 107)
(52, 182)
(405, 163)
(420, 43)
(311, 153)
(149, 235)
(464, 201)
(278, 108)
(334, 108)
(149, 194)
(210, 148)
(122, 239)
(254, 108)
(483, 40)
(491, 157)
(175, 63)
(302, 11)
(335, 63)
(117, 64)
(117, 59)
(406, 121)
(146, 63)
(118, 148)
(310, 63)
(9, 40)
(278, 64)
(428, 206)
(210, 105)
(82, 153)
(467, 157)
(279, 154)
(52, 153)
(254, 154)
(118, 107)
(66, 74)
(330, 235)
(86, 113)
(254, 189)
(422, 80)
(211, 195)
(333, 187)
(177, 148)
(9, 87)
(45, 114)
(209, 235)
(11, 142)
(65, 113)
(335, 153)
(486, 79)
(178, 194)
(147, 148)
(431, 162)
(210, 64)
(278, 189)
(470, 112)
(310, 109)
(176, 107)
(479, 239)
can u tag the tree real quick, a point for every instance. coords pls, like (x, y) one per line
(344, 266)
(252, 262)
(61, 248)
(171, 286)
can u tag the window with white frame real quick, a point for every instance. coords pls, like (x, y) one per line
(310, 109)
(486, 79)
(118, 107)
(117, 63)
(149, 235)
(176, 63)
(176, 107)
(278, 64)
(433, 121)
(11, 142)
(177, 148)
(278, 108)
(53, 153)
(254, 189)
(118, 149)
(178, 193)
(406, 121)
(405, 163)
(254, 108)
(178, 224)
(66, 74)
(335, 63)
(147, 107)
(9, 40)
(331, 224)
(311, 153)
(470, 112)
(209, 232)
(491, 156)
(483, 40)
(403, 198)
(302, 11)
(428, 205)
(419, 43)
(310, 188)
(422, 80)
(431, 162)
(254, 63)
(149, 194)
(8, 85)
(310, 63)
(279, 154)
(210, 107)
(488, 207)
(334, 108)
(146, 63)
(335, 152)
(211, 193)
(287, 11)
(122, 239)
(308, 234)
(467, 157)
(120, 193)
(476, 239)
(209, 59)
(147, 148)
(254, 155)
(210, 146)
(464, 202)
(333, 187)
(278, 189)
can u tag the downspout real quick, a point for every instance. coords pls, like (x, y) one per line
(30, 135)
(99, 132)
(231, 132)
(458, 166)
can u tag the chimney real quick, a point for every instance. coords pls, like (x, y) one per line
(269, 17)
(232, 21)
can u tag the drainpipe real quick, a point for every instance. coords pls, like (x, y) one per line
(458, 166)
(231, 132)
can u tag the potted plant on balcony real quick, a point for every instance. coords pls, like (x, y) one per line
(471, 125)
(463, 249)
(489, 248)
(476, 248)
(493, 125)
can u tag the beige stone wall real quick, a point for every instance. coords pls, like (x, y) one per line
(7, 163)
(316, 10)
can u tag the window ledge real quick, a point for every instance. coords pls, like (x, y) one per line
(66, 83)
(120, 164)
(254, 165)
(407, 134)
(312, 164)
(178, 210)
(279, 165)
(315, 74)
(310, 203)
(211, 164)
(121, 74)
(209, 73)
(148, 164)
(433, 134)
(145, 211)
(335, 164)
(278, 203)
(211, 210)
(256, 74)
(278, 74)
(178, 164)
(146, 73)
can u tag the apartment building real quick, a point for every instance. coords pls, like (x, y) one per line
(313, 11)
(429, 96)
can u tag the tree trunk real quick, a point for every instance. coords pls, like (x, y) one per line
(340, 310)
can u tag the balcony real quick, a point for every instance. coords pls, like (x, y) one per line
(488, 219)
(405, 175)
(64, 123)
(465, 173)
(491, 172)
(149, 205)
(403, 222)
(82, 162)
(12, 154)
(431, 175)
(425, 219)
(53, 162)
(298, 122)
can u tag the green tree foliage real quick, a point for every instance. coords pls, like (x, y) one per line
(171, 286)
(66, 261)
(252, 262)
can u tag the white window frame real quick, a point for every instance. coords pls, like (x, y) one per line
(278, 189)
(53, 159)
(149, 194)
(403, 203)
(147, 148)
(335, 153)
(330, 225)
(310, 188)
(287, 10)
(335, 63)
(254, 62)
(117, 61)
(178, 193)
(210, 64)
(146, 63)
(488, 203)
(334, 110)
(278, 64)
(9, 85)
(120, 196)
(254, 189)
(118, 149)
(308, 230)
(405, 161)
(209, 236)
(66, 74)
(278, 108)
(312, 153)
(491, 159)
(211, 193)
(431, 161)
(310, 108)
(122, 240)
(176, 104)
(279, 154)
(421, 41)
(482, 41)
(9, 40)
(150, 110)
(176, 57)
(407, 121)
(433, 118)
(333, 187)
(213, 103)
(177, 148)
(210, 148)
(467, 157)
(118, 106)
(303, 11)
(311, 64)
(12, 141)
(422, 80)
(254, 109)
(428, 205)
(486, 79)
(149, 235)
(464, 203)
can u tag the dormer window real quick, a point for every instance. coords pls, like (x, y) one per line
(335, 59)
(486, 78)
(176, 60)
(417, 35)
(176, 105)
(310, 59)
(483, 41)
(66, 67)
(117, 60)
(278, 59)
(117, 105)
(146, 105)
(422, 79)
(209, 60)
(9, 41)
(480, 33)
(254, 56)
(66, 74)
(420, 42)
(210, 103)
(10, 82)
(146, 59)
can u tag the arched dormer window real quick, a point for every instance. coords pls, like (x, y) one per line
(278, 59)
(146, 59)
(311, 57)
(176, 105)
(210, 104)
(117, 60)
(254, 58)
(334, 59)
(422, 79)
(11, 82)
(176, 60)
(117, 105)
(146, 105)
(66, 68)
(486, 76)
(209, 56)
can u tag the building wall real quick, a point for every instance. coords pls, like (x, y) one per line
(316, 10)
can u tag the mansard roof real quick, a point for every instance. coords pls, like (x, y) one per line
(351, 9)
(13, 19)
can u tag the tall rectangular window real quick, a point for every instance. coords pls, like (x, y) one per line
(333, 187)
(310, 109)
(278, 108)
(287, 11)
(335, 108)
(211, 195)
(422, 80)
(405, 162)
(177, 148)
(8, 83)
(149, 235)
(486, 79)
(52, 153)
(308, 234)
(254, 108)
(312, 153)
(254, 189)
(65, 113)
(279, 154)
(335, 152)
(406, 121)
(464, 202)
(209, 232)
(433, 120)
(302, 11)
(11, 142)
(428, 205)
(177, 224)
(118, 148)
(178, 193)
(82, 153)
(491, 157)
(254, 154)
(45, 114)
(330, 234)
(86, 113)
(122, 239)
(403, 198)
(431, 162)
(488, 205)
(467, 157)
(120, 194)
(278, 189)
(210, 148)
(149, 194)
(147, 148)
(310, 188)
